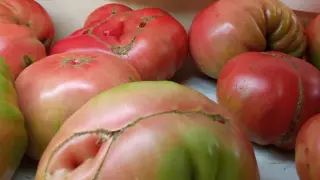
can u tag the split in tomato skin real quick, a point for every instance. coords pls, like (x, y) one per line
(180, 135)
(150, 39)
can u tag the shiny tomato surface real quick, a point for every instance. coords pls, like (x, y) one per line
(149, 130)
(54, 88)
(150, 39)
(228, 28)
(271, 93)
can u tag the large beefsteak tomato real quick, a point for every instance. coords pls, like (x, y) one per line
(313, 36)
(149, 130)
(272, 94)
(228, 28)
(153, 41)
(13, 136)
(308, 150)
(52, 89)
(28, 13)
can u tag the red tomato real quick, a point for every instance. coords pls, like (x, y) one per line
(272, 93)
(308, 150)
(149, 130)
(150, 39)
(228, 28)
(19, 47)
(313, 35)
(28, 13)
(52, 89)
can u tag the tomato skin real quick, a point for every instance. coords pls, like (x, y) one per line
(31, 14)
(313, 36)
(307, 149)
(172, 121)
(272, 93)
(13, 137)
(152, 41)
(217, 35)
(19, 47)
(54, 88)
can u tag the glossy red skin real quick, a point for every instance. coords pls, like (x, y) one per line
(28, 13)
(313, 36)
(217, 35)
(52, 89)
(156, 47)
(19, 47)
(307, 154)
(138, 152)
(273, 94)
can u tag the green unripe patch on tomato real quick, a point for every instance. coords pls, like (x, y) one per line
(200, 157)
(5, 70)
(12, 119)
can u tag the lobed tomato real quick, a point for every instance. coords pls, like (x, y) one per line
(217, 35)
(271, 93)
(149, 130)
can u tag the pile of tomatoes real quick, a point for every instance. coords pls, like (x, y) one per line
(99, 103)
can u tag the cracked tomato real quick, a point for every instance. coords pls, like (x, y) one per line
(271, 93)
(150, 39)
(54, 88)
(13, 136)
(217, 35)
(308, 150)
(313, 35)
(149, 130)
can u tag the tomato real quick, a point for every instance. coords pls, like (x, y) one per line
(19, 47)
(13, 137)
(28, 13)
(217, 35)
(54, 88)
(271, 93)
(149, 130)
(307, 149)
(152, 41)
(313, 36)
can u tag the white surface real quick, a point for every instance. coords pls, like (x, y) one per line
(69, 15)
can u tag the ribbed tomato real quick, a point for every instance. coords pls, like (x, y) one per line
(272, 94)
(154, 42)
(228, 28)
(149, 130)
(54, 88)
